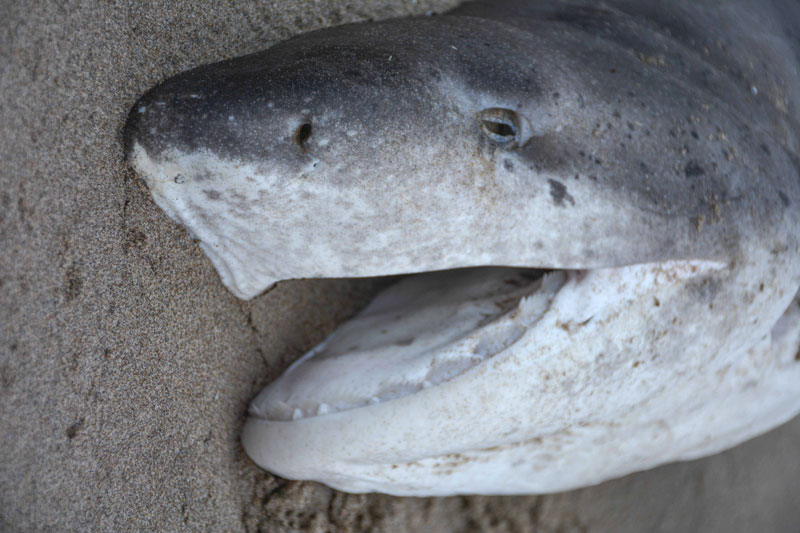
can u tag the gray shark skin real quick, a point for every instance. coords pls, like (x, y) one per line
(636, 163)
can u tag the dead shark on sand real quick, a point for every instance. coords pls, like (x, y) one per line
(621, 179)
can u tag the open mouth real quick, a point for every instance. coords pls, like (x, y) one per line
(424, 330)
(432, 328)
(524, 380)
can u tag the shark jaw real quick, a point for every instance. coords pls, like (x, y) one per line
(504, 381)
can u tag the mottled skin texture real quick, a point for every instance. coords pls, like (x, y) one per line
(658, 122)
(656, 142)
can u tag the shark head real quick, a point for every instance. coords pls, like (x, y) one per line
(597, 279)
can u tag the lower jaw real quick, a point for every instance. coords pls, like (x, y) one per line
(430, 328)
(422, 331)
(380, 405)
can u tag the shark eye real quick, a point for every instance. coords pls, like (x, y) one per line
(301, 134)
(500, 125)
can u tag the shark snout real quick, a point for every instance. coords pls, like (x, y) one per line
(153, 122)
(132, 129)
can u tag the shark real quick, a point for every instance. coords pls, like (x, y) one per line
(595, 208)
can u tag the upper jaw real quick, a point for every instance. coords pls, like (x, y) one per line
(258, 224)
(564, 197)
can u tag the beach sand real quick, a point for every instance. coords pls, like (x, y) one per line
(125, 365)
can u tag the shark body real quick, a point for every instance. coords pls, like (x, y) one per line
(600, 202)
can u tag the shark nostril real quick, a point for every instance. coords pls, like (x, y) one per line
(301, 134)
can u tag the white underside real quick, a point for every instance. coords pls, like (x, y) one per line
(583, 382)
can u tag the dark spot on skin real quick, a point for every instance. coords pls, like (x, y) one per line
(73, 429)
(508, 165)
(695, 135)
(693, 169)
(699, 222)
(405, 342)
(211, 195)
(784, 198)
(656, 302)
(636, 363)
(558, 191)
(765, 148)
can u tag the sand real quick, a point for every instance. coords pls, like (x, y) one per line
(126, 367)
